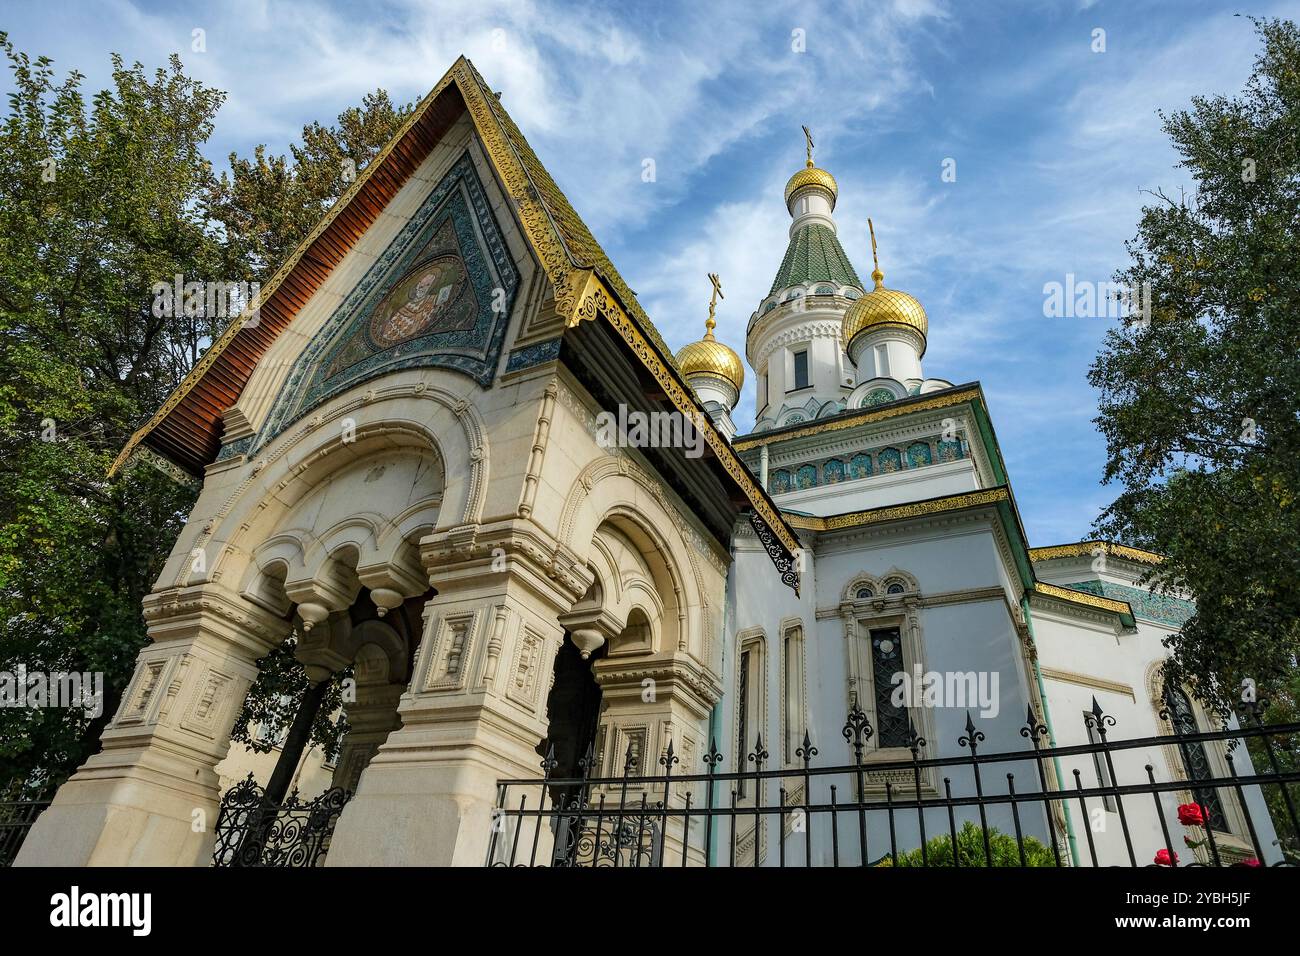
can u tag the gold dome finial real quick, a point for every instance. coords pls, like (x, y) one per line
(810, 175)
(711, 324)
(883, 307)
(709, 357)
(876, 275)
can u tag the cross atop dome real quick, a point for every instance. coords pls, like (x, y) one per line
(810, 177)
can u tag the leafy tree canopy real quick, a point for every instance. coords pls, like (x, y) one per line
(101, 197)
(1200, 403)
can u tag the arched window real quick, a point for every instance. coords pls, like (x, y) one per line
(895, 587)
(865, 593)
(1195, 759)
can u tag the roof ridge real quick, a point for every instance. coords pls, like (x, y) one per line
(577, 240)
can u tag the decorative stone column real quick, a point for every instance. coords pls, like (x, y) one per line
(476, 706)
(648, 703)
(150, 796)
(371, 717)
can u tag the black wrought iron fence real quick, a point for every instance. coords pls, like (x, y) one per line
(16, 819)
(254, 831)
(970, 808)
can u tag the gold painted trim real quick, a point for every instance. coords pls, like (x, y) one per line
(840, 422)
(1085, 680)
(1086, 549)
(597, 300)
(918, 509)
(583, 293)
(1081, 597)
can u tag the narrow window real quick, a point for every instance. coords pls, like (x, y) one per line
(1099, 762)
(742, 723)
(762, 390)
(792, 678)
(886, 662)
(882, 361)
(801, 369)
(1195, 759)
(750, 719)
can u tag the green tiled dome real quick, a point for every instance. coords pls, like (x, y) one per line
(814, 255)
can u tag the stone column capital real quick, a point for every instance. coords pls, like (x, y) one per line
(516, 548)
(186, 613)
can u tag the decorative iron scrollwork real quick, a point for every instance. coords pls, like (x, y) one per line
(780, 555)
(252, 831)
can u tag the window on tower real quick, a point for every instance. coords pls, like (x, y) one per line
(800, 369)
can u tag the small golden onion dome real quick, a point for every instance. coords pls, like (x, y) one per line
(810, 175)
(881, 307)
(710, 357)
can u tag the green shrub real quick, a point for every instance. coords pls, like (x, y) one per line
(970, 847)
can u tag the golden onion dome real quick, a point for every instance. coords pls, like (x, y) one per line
(883, 307)
(710, 357)
(810, 175)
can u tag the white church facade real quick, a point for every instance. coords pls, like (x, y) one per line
(402, 465)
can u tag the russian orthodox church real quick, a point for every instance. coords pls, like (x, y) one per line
(399, 469)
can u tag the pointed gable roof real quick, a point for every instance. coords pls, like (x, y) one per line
(187, 429)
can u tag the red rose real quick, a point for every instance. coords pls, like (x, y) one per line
(1191, 815)
(1251, 862)
(1163, 858)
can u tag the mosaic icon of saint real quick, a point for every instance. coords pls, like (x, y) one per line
(423, 296)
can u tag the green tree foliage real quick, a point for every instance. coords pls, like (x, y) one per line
(98, 201)
(101, 197)
(1002, 850)
(1200, 405)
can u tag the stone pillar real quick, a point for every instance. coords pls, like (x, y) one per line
(476, 707)
(371, 717)
(150, 796)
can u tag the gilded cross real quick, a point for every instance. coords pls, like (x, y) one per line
(874, 259)
(713, 301)
(808, 136)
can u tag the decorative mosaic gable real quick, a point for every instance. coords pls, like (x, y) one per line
(439, 295)
(1152, 607)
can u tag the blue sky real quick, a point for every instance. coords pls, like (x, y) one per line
(1053, 145)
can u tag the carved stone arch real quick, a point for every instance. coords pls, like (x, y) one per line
(858, 582)
(305, 458)
(581, 515)
(351, 540)
(607, 588)
(893, 577)
(646, 591)
(382, 636)
(304, 455)
(272, 563)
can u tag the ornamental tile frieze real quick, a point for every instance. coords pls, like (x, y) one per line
(865, 464)
(1160, 608)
